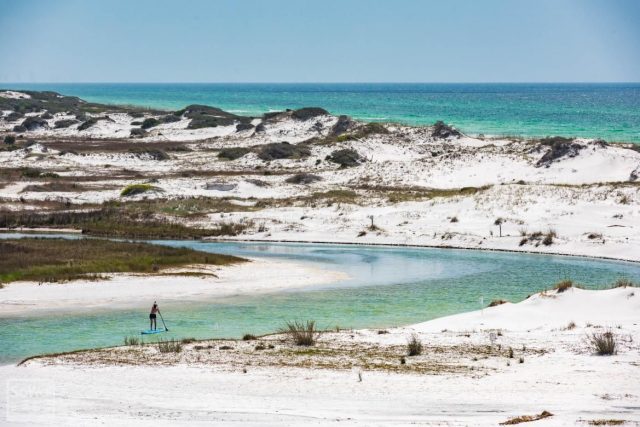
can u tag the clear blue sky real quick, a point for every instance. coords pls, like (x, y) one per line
(319, 40)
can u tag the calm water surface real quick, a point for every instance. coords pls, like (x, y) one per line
(387, 286)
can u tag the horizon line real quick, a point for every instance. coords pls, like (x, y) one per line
(329, 82)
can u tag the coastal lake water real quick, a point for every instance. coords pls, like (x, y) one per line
(387, 286)
(592, 110)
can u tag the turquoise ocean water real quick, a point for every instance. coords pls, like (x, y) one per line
(387, 286)
(608, 111)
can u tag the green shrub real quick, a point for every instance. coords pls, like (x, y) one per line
(232, 153)
(283, 150)
(134, 189)
(345, 158)
(10, 139)
(149, 123)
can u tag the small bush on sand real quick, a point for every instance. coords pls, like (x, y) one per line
(414, 346)
(10, 139)
(169, 346)
(283, 150)
(133, 189)
(303, 178)
(345, 158)
(563, 285)
(497, 302)
(149, 123)
(570, 326)
(248, 337)
(302, 333)
(187, 340)
(232, 153)
(131, 341)
(603, 343)
(548, 238)
(527, 418)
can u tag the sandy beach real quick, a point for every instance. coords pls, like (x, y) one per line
(136, 290)
(465, 376)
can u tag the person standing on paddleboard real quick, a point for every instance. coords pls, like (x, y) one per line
(152, 316)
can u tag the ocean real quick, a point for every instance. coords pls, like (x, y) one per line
(607, 111)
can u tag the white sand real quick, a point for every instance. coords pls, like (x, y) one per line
(568, 380)
(126, 290)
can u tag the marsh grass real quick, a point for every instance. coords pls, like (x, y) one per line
(58, 260)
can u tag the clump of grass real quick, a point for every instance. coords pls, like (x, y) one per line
(593, 236)
(605, 422)
(302, 333)
(563, 285)
(548, 237)
(131, 341)
(604, 343)
(622, 282)
(248, 337)
(169, 346)
(526, 418)
(570, 326)
(187, 340)
(497, 302)
(133, 189)
(414, 346)
(454, 219)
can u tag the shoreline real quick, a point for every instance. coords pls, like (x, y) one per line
(346, 243)
(31, 299)
(404, 245)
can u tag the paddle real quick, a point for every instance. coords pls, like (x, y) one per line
(163, 324)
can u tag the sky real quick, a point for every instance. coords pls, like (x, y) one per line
(319, 41)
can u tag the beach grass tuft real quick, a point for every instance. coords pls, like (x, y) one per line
(414, 346)
(169, 346)
(604, 343)
(302, 333)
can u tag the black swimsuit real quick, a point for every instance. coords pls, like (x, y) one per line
(152, 316)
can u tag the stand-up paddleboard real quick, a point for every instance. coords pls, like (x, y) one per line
(153, 331)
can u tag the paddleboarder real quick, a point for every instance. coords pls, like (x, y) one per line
(152, 316)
